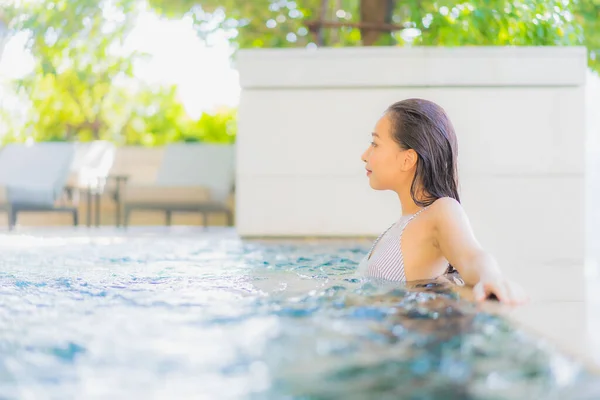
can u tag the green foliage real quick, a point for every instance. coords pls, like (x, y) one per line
(78, 68)
(587, 14)
(282, 23)
(263, 23)
(220, 127)
(492, 22)
(82, 85)
(157, 117)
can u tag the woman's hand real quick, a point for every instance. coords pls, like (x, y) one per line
(506, 291)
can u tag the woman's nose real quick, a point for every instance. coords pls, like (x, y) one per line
(363, 157)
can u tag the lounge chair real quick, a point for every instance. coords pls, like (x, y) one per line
(34, 178)
(132, 165)
(191, 178)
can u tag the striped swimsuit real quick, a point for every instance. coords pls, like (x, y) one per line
(387, 262)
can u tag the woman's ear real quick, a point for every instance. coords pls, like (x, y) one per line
(410, 160)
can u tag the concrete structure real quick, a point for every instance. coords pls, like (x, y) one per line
(306, 116)
(592, 183)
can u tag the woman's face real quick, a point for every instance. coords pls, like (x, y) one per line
(386, 161)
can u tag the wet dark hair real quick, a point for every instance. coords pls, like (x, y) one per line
(423, 126)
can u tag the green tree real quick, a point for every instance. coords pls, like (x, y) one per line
(492, 22)
(283, 23)
(218, 127)
(80, 68)
(82, 85)
(587, 14)
(155, 117)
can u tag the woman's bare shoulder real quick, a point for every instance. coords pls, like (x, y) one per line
(451, 227)
(445, 204)
(446, 208)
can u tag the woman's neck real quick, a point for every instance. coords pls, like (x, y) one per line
(407, 203)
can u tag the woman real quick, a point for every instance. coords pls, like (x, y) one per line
(414, 153)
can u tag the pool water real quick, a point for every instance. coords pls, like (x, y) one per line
(186, 313)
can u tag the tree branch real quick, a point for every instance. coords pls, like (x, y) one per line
(383, 27)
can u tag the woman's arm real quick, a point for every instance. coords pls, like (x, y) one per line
(455, 239)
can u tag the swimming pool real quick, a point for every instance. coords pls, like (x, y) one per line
(184, 313)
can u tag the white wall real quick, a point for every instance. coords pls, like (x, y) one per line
(306, 116)
(593, 173)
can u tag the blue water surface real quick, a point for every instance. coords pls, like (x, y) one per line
(186, 313)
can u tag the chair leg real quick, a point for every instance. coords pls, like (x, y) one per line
(127, 216)
(118, 215)
(98, 199)
(205, 220)
(12, 218)
(88, 195)
(75, 217)
(119, 207)
(229, 218)
(168, 217)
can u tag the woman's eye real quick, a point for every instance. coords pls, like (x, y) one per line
(373, 144)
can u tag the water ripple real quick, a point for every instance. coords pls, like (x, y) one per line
(205, 315)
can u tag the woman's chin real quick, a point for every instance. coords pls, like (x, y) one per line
(374, 185)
